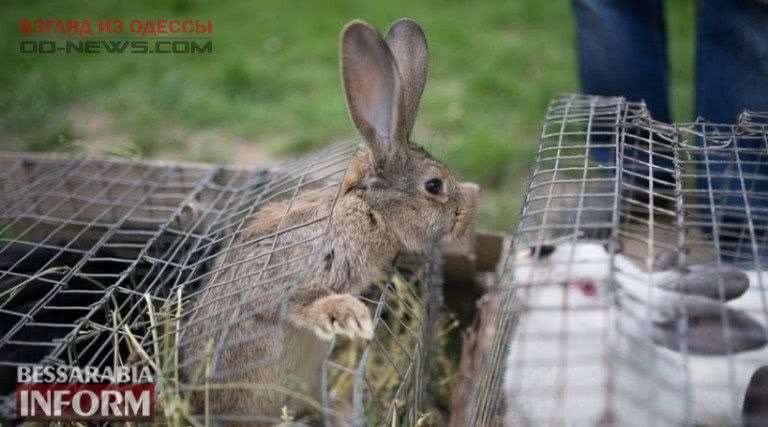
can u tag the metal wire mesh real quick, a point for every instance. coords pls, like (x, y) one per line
(605, 318)
(114, 263)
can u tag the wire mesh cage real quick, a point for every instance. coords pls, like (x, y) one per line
(189, 269)
(634, 288)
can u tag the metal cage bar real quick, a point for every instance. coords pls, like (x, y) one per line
(601, 322)
(98, 256)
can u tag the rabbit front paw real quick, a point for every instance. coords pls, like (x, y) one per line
(339, 314)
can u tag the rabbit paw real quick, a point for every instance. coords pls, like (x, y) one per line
(340, 314)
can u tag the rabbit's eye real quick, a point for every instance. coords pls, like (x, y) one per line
(542, 251)
(433, 186)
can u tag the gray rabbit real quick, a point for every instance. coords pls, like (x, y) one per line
(394, 197)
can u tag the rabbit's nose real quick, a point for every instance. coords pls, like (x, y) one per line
(465, 210)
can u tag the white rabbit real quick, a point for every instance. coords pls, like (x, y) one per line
(589, 351)
(559, 341)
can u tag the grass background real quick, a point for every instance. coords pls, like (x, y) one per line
(271, 88)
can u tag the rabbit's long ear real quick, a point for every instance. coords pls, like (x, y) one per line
(373, 89)
(705, 280)
(711, 329)
(408, 44)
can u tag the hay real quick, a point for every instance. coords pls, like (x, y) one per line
(390, 363)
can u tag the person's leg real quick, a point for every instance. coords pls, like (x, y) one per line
(622, 51)
(731, 58)
(731, 76)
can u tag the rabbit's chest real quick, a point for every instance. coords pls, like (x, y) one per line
(358, 248)
(348, 266)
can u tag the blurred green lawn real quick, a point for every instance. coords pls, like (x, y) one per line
(272, 83)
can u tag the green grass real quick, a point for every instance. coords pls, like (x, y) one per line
(273, 80)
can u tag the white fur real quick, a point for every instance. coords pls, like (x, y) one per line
(575, 357)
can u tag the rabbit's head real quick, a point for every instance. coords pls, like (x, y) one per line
(383, 81)
(580, 267)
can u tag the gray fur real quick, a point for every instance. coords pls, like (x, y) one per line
(381, 209)
(406, 40)
(709, 281)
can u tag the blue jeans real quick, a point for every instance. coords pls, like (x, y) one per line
(622, 50)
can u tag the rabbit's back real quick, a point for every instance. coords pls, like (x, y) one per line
(240, 312)
(269, 255)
